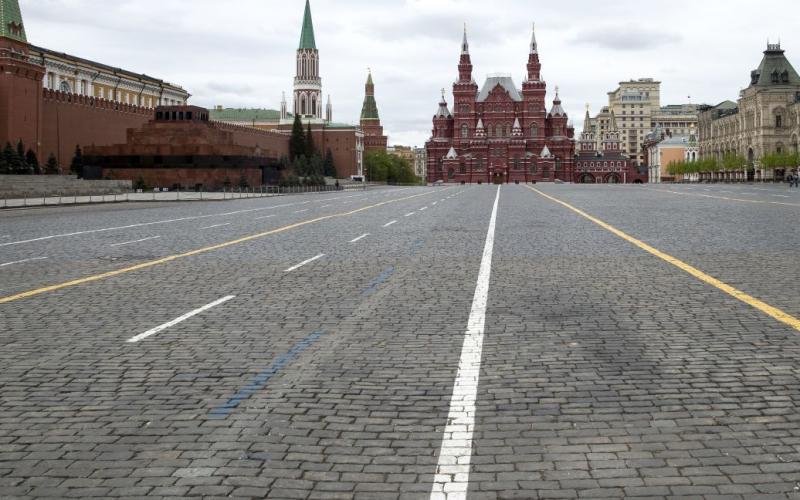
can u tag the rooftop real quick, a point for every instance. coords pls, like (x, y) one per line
(245, 114)
(504, 81)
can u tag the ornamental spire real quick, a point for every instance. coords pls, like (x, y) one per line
(307, 40)
(465, 43)
(534, 45)
(587, 123)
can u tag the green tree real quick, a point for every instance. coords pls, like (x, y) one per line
(297, 141)
(51, 167)
(21, 149)
(310, 147)
(226, 182)
(301, 167)
(33, 161)
(76, 166)
(139, 183)
(243, 182)
(15, 164)
(283, 163)
(316, 167)
(329, 167)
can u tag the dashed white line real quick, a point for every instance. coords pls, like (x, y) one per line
(451, 481)
(267, 217)
(179, 320)
(423, 209)
(218, 225)
(434, 203)
(22, 261)
(326, 206)
(300, 211)
(389, 224)
(359, 238)
(137, 241)
(309, 261)
(780, 195)
(409, 215)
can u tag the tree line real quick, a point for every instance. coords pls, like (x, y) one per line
(771, 161)
(18, 161)
(383, 167)
(305, 160)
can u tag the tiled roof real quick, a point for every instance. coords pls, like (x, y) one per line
(775, 69)
(10, 14)
(504, 81)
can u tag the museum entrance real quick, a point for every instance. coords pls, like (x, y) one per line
(497, 179)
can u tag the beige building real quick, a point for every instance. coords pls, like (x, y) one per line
(637, 107)
(766, 118)
(420, 163)
(663, 150)
(88, 78)
(403, 152)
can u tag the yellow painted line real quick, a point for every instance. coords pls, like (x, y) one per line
(164, 260)
(723, 197)
(747, 299)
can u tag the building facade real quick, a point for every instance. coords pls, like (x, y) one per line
(420, 162)
(636, 105)
(53, 101)
(600, 158)
(499, 133)
(662, 150)
(374, 139)
(404, 152)
(764, 120)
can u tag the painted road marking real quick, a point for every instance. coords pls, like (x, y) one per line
(137, 241)
(389, 224)
(309, 261)
(359, 238)
(183, 318)
(434, 203)
(455, 456)
(218, 225)
(258, 382)
(380, 279)
(719, 198)
(212, 248)
(416, 248)
(409, 215)
(78, 233)
(267, 217)
(738, 294)
(780, 195)
(326, 206)
(300, 211)
(22, 261)
(423, 209)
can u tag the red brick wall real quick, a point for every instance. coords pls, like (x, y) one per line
(186, 177)
(20, 100)
(71, 119)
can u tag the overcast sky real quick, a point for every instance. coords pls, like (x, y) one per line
(241, 53)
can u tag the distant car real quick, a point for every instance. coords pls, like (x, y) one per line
(357, 178)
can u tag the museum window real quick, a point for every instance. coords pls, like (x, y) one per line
(558, 163)
(534, 169)
(516, 163)
(778, 121)
(508, 130)
(441, 165)
(534, 130)
(545, 172)
(479, 167)
(463, 169)
(65, 87)
(464, 131)
(451, 174)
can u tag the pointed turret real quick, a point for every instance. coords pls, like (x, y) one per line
(329, 110)
(534, 66)
(465, 64)
(370, 119)
(557, 110)
(11, 25)
(480, 131)
(369, 111)
(587, 122)
(307, 40)
(283, 106)
(517, 130)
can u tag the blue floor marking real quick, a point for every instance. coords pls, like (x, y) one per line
(258, 382)
(416, 248)
(380, 279)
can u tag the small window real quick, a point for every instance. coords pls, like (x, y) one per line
(180, 115)
(159, 115)
(188, 115)
(463, 169)
(464, 131)
(534, 130)
(778, 121)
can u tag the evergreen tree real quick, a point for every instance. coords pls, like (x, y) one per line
(139, 183)
(310, 148)
(14, 164)
(283, 163)
(51, 167)
(316, 168)
(226, 182)
(33, 161)
(4, 168)
(329, 166)
(21, 149)
(301, 167)
(76, 166)
(297, 141)
(243, 182)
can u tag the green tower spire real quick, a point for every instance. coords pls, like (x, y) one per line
(11, 21)
(370, 109)
(307, 36)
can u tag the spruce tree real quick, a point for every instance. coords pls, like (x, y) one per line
(4, 168)
(51, 167)
(76, 166)
(330, 167)
(139, 183)
(243, 182)
(15, 164)
(310, 148)
(21, 149)
(297, 141)
(226, 182)
(301, 167)
(33, 161)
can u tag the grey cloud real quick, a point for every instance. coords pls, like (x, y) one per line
(627, 38)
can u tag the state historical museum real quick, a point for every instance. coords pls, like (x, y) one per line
(501, 134)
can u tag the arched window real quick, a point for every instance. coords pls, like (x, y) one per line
(531, 108)
(508, 130)
(489, 130)
(558, 163)
(516, 163)
(303, 105)
(534, 129)
(313, 110)
(463, 169)
(303, 66)
(479, 167)
(465, 131)
(65, 87)
(441, 164)
(534, 168)
(451, 174)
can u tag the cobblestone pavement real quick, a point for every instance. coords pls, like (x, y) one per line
(319, 359)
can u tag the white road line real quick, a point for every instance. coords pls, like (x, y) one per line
(22, 261)
(326, 206)
(359, 238)
(218, 225)
(780, 195)
(179, 320)
(409, 215)
(300, 211)
(137, 241)
(750, 194)
(434, 203)
(389, 224)
(452, 473)
(309, 261)
(267, 217)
